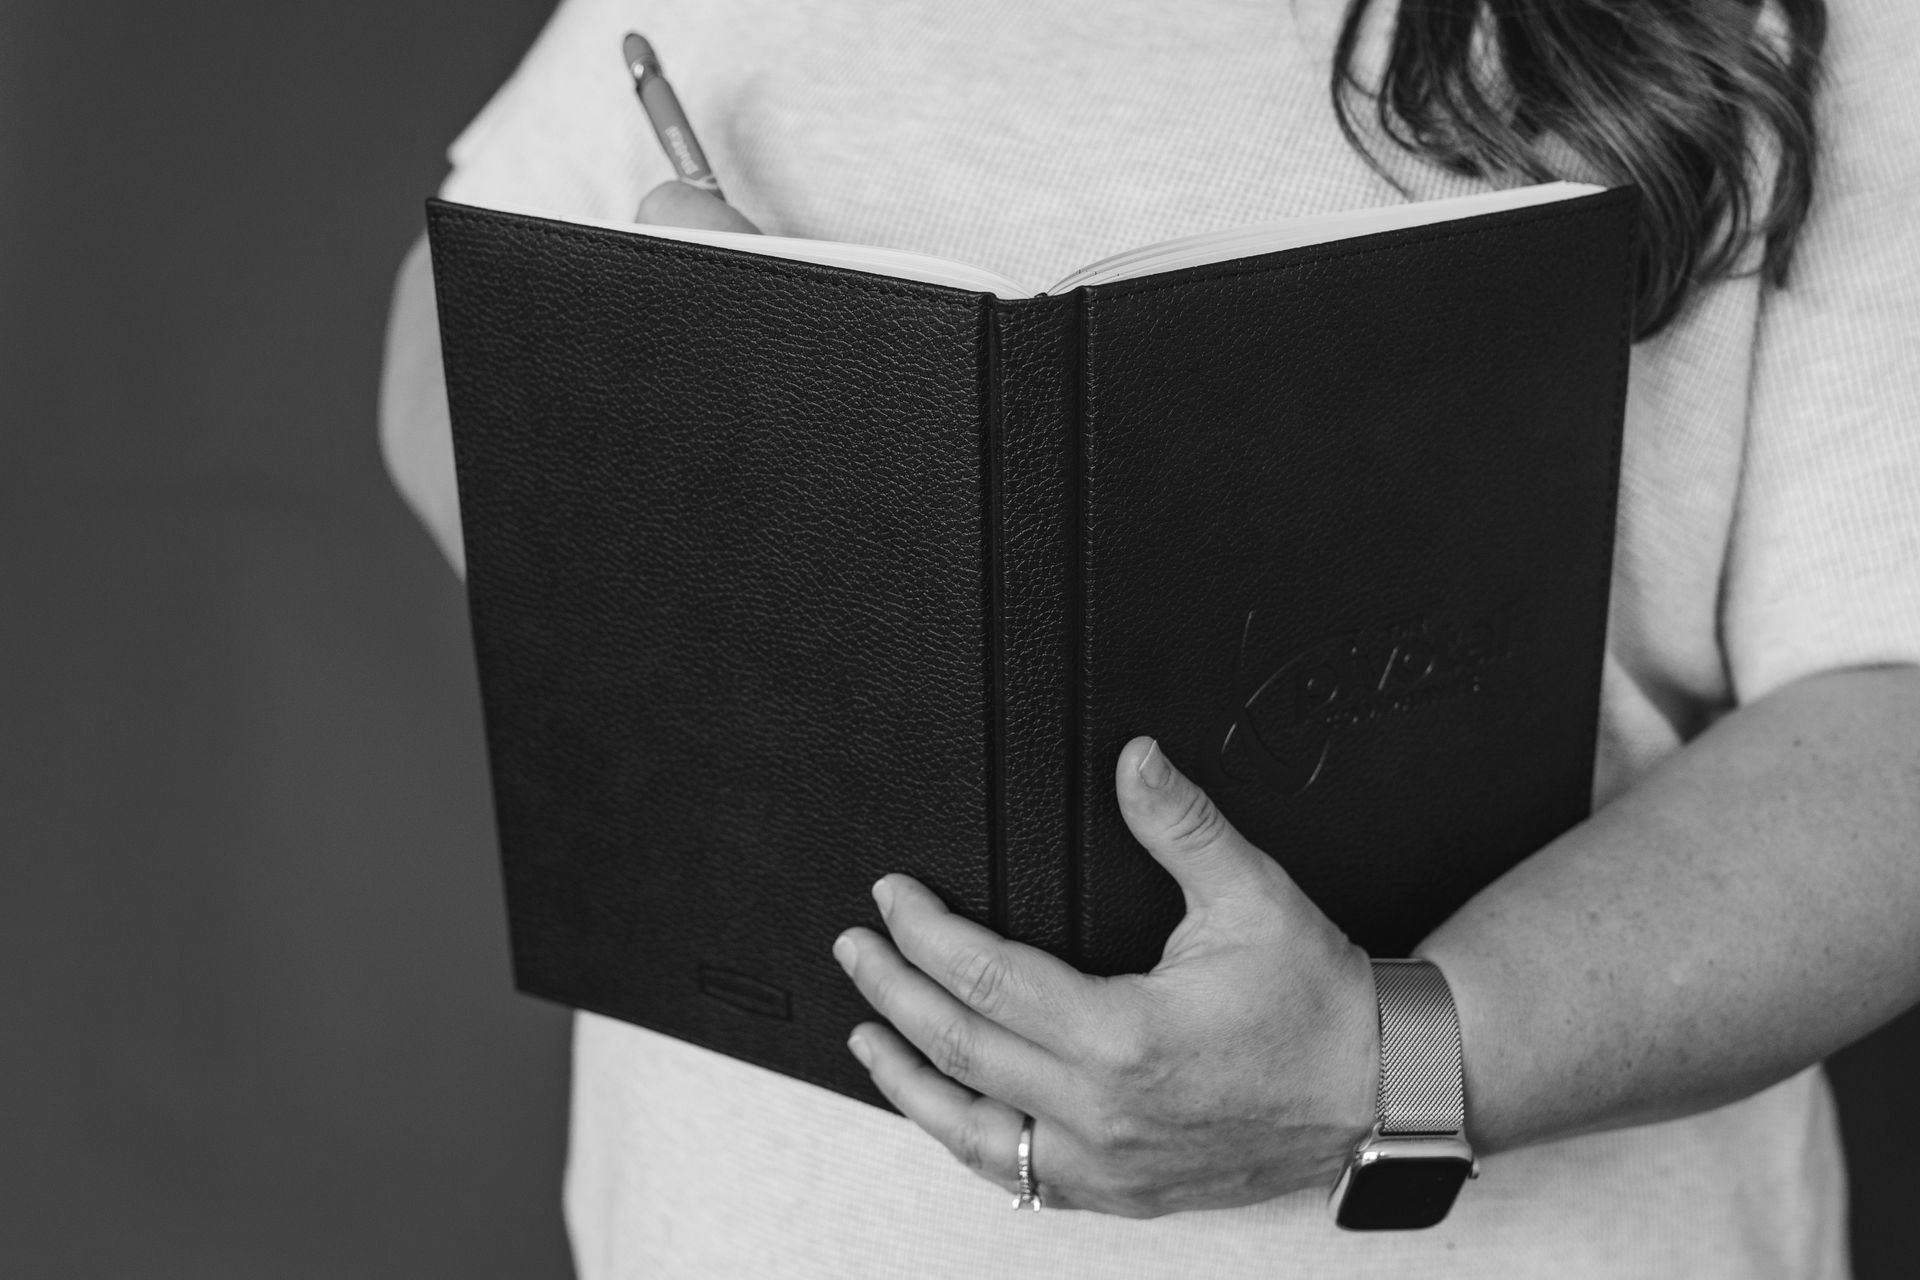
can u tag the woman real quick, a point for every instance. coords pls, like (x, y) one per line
(1644, 1002)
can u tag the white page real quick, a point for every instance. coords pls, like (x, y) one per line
(1168, 255)
(898, 263)
(1270, 237)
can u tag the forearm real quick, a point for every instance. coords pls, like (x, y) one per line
(416, 437)
(1747, 909)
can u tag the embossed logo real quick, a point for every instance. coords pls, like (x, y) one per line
(1286, 718)
(749, 995)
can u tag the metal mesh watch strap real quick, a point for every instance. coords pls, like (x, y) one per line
(1423, 1085)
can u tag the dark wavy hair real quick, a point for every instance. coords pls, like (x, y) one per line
(1675, 96)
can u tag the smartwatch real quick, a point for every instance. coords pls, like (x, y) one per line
(1405, 1174)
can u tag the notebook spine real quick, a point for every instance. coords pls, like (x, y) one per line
(1033, 358)
(993, 546)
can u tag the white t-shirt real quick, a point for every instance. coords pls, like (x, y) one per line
(1769, 527)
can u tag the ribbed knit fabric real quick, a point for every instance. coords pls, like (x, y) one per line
(1769, 528)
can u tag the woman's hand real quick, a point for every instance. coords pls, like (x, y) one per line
(1241, 1068)
(675, 204)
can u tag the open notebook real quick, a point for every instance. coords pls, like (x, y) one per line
(751, 541)
(1152, 259)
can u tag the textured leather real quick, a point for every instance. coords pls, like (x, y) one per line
(785, 576)
(1033, 379)
(1356, 506)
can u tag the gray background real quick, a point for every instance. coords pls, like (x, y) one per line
(257, 1015)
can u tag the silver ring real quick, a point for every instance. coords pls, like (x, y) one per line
(1029, 1197)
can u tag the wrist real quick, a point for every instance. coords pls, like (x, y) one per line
(1407, 1171)
(1482, 989)
(1360, 1111)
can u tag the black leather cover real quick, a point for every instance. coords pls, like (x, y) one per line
(786, 576)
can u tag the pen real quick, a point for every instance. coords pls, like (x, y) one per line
(664, 113)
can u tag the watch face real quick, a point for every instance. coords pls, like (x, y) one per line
(1401, 1194)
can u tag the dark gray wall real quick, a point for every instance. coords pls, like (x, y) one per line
(257, 1017)
(258, 1020)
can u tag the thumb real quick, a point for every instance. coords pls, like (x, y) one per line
(1178, 824)
(675, 204)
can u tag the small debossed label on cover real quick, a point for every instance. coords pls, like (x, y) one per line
(747, 994)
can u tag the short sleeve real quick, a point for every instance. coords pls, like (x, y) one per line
(564, 133)
(1823, 568)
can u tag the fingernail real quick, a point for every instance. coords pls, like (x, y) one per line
(844, 952)
(1154, 769)
(860, 1050)
(883, 894)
